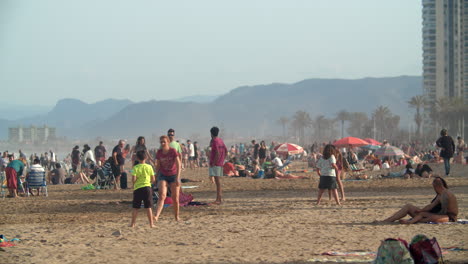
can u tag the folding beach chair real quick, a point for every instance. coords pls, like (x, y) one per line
(286, 163)
(3, 184)
(104, 177)
(36, 179)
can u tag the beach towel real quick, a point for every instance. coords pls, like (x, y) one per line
(357, 253)
(459, 221)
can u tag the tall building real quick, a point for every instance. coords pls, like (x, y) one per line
(445, 49)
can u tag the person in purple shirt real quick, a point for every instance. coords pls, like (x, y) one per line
(217, 156)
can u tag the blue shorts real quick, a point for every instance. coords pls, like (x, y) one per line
(168, 179)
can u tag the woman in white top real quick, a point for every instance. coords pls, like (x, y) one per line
(327, 170)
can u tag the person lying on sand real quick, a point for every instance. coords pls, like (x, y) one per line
(443, 208)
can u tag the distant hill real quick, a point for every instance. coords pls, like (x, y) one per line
(244, 111)
(197, 98)
(254, 110)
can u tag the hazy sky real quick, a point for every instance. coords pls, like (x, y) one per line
(147, 49)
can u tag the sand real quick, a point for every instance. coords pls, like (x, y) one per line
(261, 221)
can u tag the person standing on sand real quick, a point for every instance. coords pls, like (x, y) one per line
(327, 170)
(168, 167)
(443, 208)
(118, 162)
(217, 156)
(143, 176)
(343, 166)
(173, 143)
(100, 153)
(447, 146)
(75, 158)
(13, 170)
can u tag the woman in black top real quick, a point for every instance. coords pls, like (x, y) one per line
(262, 152)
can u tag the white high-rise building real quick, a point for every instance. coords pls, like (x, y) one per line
(445, 49)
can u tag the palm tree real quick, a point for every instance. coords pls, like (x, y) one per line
(283, 121)
(343, 116)
(380, 115)
(301, 120)
(319, 125)
(417, 102)
(358, 121)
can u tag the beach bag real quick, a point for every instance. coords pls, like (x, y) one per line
(393, 251)
(425, 250)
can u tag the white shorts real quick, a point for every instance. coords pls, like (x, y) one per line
(216, 171)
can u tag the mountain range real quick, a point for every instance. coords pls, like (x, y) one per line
(244, 111)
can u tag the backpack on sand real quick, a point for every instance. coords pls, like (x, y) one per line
(393, 251)
(425, 250)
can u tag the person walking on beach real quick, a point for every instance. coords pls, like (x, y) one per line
(142, 177)
(168, 167)
(447, 146)
(217, 156)
(327, 170)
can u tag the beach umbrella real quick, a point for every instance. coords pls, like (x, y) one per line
(289, 148)
(371, 147)
(389, 151)
(350, 141)
(373, 142)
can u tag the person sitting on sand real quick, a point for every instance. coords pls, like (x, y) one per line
(143, 176)
(229, 169)
(57, 175)
(36, 167)
(423, 171)
(443, 208)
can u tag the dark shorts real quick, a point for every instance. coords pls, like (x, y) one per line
(327, 182)
(191, 158)
(144, 195)
(168, 179)
(115, 170)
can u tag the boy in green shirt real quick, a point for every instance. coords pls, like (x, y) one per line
(142, 177)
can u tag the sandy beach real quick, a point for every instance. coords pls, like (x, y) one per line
(261, 221)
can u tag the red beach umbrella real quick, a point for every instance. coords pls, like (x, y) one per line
(373, 142)
(350, 141)
(288, 148)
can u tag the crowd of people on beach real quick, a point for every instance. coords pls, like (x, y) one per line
(162, 167)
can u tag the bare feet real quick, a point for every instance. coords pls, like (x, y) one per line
(132, 225)
(216, 203)
(152, 225)
(404, 222)
(177, 219)
(156, 218)
(212, 179)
